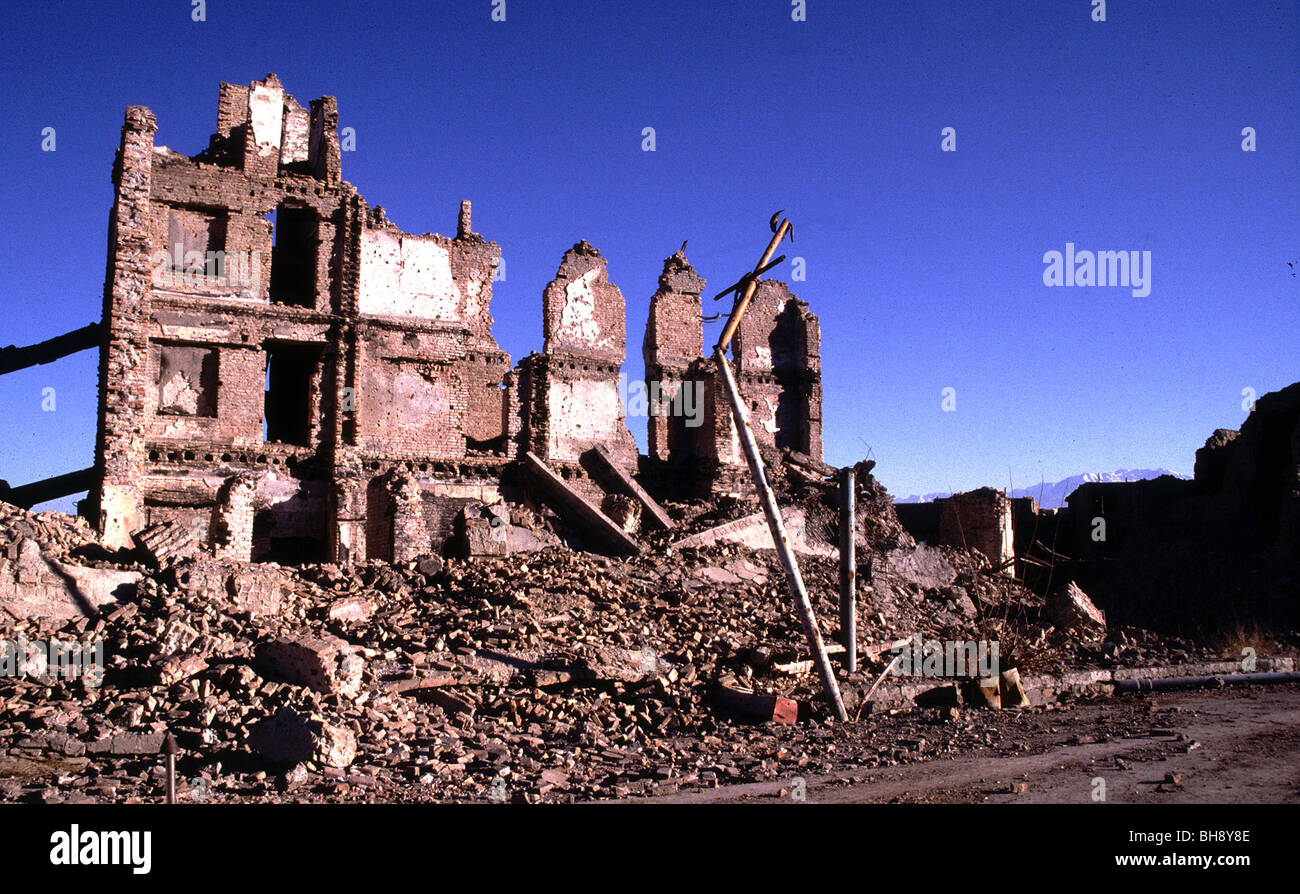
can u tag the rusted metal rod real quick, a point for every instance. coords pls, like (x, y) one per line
(848, 571)
(742, 302)
(779, 539)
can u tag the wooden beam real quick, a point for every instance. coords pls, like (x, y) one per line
(602, 464)
(587, 517)
(14, 358)
(29, 495)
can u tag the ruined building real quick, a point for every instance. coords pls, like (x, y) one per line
(290, 376)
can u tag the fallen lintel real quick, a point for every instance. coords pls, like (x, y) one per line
(753, 531)
(602, 463)
(579, 511)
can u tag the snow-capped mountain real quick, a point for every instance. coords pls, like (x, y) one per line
(1052, 496)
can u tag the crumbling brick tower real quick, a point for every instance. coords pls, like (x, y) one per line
(278, 354)
(674, 339)
(778, 370)
(778, 350)
(573, 399)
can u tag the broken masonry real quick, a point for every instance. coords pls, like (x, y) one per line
(347, 400)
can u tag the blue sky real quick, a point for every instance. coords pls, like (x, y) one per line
(926, 267)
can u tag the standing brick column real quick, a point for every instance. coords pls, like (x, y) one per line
(234, 523)
(120, 451)
(410, 533)
(674, 338)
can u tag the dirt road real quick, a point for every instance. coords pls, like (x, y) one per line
(1233, 745)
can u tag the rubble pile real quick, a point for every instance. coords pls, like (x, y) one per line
(56, 534)
(550, 675)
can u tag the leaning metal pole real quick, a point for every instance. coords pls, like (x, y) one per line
(777, 526)
(848, 571)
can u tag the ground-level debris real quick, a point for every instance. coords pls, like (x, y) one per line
(1012, 692)
(984, 693)
(576, 507)
(290, 737)
(758, 706)
(327, 665)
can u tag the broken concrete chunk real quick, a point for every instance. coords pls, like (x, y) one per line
(485, 530)
(290, 737)
(236, 587)
(36, 586)
(352, 608)
(323, 665)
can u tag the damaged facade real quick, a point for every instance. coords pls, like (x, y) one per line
(778, 364)
(289, 376)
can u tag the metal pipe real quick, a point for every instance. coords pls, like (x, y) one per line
(779, 539)
(848, 571)
(743, 301)
(171, 749)
(1158, 684)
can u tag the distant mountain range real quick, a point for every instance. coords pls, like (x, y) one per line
(1052, 496)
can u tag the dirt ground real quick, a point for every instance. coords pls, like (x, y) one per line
(1234, 745)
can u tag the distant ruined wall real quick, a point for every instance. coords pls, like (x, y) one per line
(979, 520)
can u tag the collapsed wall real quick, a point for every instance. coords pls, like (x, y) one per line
(1166, 552)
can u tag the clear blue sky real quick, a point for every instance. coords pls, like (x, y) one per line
(926, 267)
